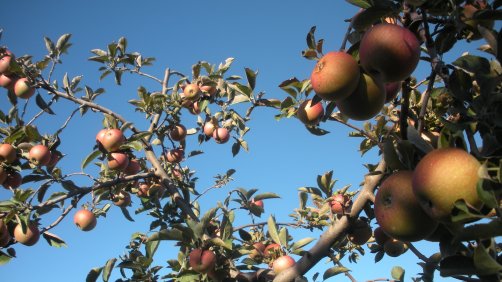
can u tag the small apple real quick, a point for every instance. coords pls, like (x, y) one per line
(380, 236)
(258, 251)
(122, 199)
(340, 204)
(13, 180)
(118, 161)
(178, 132)
(258, 203)
(175, 155)
(221, 135)
(194, 108)
(208, 89)
(273, 251)
(112, 140)
(23, 89)
(310, 114)
(192, 91)
(39, 155)
(209, 128)
(202, 261)
(133, 167)
(8, 153)
(85, 220)
(359, 232)
(6, 60)
(394, 247)
(7, 82)
(28, 238)
(282, 263)
(391, 90)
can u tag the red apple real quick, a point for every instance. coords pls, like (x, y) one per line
(7, 81)
(221, 135)
(85, 220)
(209, 128)
(13, 180)
(202, 261)
(178, 132)
(133, 167)
(28, 238)
(113, 139)
(175, 155)
(191, 92)
(5, 61)
(282, 263)
(310, 114)
(8, 153)
(39, 155)
(23, 88)
(118, 161)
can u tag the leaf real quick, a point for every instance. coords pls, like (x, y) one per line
(311, 38)
(54, 240)
(62, 44)
(107, 271)
(397, 273)
(245, 235)
(484, 263)
(93, 274)
(390, 155)
(90, 158)
(251, 77)
(49, 45)
(43, 105)
(316, 130)
(365, 4)
(264, 196)
(369, 16)
(126, 214)
(457, 265)
(4, 258)
(302, 243)
(219, 242)
(151, 248)
(235, 149)
(334, 271)
(272, 230)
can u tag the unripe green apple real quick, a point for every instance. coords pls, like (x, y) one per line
(398, 211)
(443, 177)
(366, 101)
(335, 76)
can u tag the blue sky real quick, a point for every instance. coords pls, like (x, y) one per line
(267, 36)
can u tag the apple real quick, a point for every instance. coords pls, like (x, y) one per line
(310, 114)
(85, 220)
(39, 155)
(398, 211)
(6, 60)
(101, 135)
(273, 250)
(208, 89)
(258, 251)
(178, 132)
(335, 76)
(366, 101)
(340, 203)
(192, 91)
(258, 203)
(13, 180)
(359, 232)
(175, 155)
(202, 261)
(8, 153)
(391, 90)
(209, 128)
(380, 236)
(118, 161)
(143, 188)
(23, 89)
(112, 140)
(194, 108)
(7, 82)
(152, 191)
(4, 234)
(282, 263)
(394, 247)
(221, 135)
(55, 157)
(444, 176)
(28, 238)
(133, 167)
(122, 199)
(389, 51)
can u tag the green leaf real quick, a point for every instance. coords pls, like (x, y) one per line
(266, 196)
(4, 258)
(151, 247)
(369, 16)
(224, 244)
(334, 271)
(107, 271)
(272, 230)
(251, 77)
(283, 236)
(485, 264)
(90, 158)
(365, 4)
(316, 130)
(54, 240)
(49, 45)
(139, 136)
(126, 214)
(93, 275)
(62, 45)
(302, 243)
(311, 38)
(397, 273)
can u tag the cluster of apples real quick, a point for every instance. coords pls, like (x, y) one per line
(221, 135)
(20, 86)
(272, 253)
(412, 205)
(388, 54)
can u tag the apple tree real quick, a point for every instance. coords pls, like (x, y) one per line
(439, 139)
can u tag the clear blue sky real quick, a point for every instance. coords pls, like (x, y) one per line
(263, 35)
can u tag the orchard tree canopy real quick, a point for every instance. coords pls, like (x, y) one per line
(157, 150)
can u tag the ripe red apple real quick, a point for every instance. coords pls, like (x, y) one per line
(4, 234)
(113, 139)
(273, 251)
(85, 220)
(13, 180)
(23, 89)
(282, 263)
(359, 232)
(366, 101)
(175, 155)
(310, 114)
(155, 191)
(394, 247)
(398, 211)
(443, 177)
(340, 204)
(191, 91)
(335, 76)
(208, 89)
(178, 132)
(101, 135)
(391, 90)
(258, 203)
(380, 236)
(118, 161)
(8, 153)
(258, 251)
(5, 61)
(39, 155)
(209, 128)
(389, 51)
(194, 108)
(29, 238)
(221, 135)
(122, 199)
(202, 261)
(7, 81)
(133, 167)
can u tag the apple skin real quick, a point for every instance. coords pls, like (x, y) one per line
(8, 153)
(29, 238)
(258, 203)
(398, 211)
(5, 61)
(101, 135)
(85, 220)
(271, 250)
(39, 155)
(178, 132)
(340, 204)
(133, 167)
(282, 263)
(175, 155)
(394, 247)
(192, 92)
(7, 82)
(112, 140)
(310, 114)
(209, 128)
(118, 161)
(359, 232)
(444, 176)
(13, 180)
(22, 89)
(389, 51)
(221, 135)
(202, 261)
(366, 101)
(335, 76)
(208, 89)
(122, 199)
(380, 236)
(391, 90)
